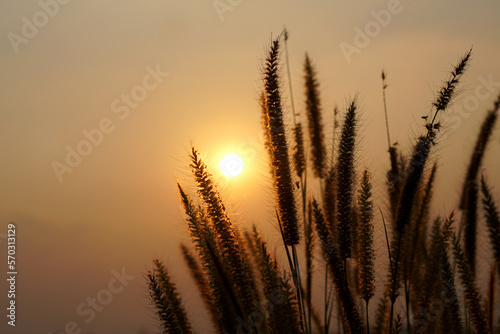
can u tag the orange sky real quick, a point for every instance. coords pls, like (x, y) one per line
(157, 76)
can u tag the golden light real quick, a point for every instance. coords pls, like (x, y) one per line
(231, 165)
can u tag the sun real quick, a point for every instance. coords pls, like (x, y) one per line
(231, 165)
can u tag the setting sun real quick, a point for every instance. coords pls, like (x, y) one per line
(231, 165)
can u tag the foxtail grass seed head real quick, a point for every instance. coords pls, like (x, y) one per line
(448, 90)
(283, 313)
(345, 180)
(313, 110)
(278, 148)
(366, 254)
(479, 149)
(167, 301)
(492, 216)
(451, 319)
(330, 200)
(412, 181)
(473, 297)
(350, 313)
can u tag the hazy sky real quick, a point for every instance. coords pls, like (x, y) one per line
(155, 77)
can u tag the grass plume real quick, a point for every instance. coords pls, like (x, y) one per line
(167, 300)
(313, 110)
(345, 180)
(479, 149)
(243, 284)
(278, 148)
(472, 295)
(202, 282)
(366, 254)
(492, 220)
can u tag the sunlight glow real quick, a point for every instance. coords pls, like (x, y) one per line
(231, 165)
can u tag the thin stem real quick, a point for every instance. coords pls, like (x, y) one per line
(292, 264)
(299, 285)
(331, 294)
(407, 300)
(345, 271)
(289, 75)
(394, 282)
(303, 187)
(386, 239)
(367, 318)
(326, 297)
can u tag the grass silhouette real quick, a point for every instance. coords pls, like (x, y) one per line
(431, 261)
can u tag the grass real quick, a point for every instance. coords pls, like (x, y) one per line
(431, 260)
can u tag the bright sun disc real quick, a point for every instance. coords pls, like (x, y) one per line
(231, 165)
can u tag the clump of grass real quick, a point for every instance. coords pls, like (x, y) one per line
(202, 282)
(247, 290)
(281, 301)
(479, 149)
(414, 173)
(350, 312)
(431, 285)
(168, 304)
(221, 291)
(330, 200)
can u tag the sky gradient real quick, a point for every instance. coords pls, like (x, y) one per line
(143, 81)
